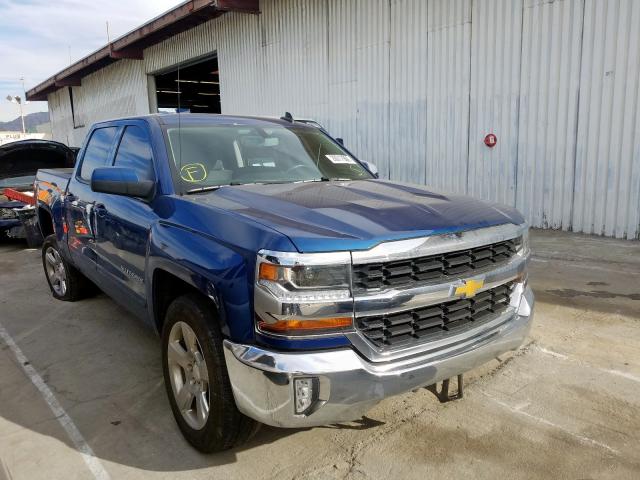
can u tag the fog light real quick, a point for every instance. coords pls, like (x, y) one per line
(305, 392)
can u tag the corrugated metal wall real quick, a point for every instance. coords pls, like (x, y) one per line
(294, 45)
(60, 116)
(243, 64)
(607, 171)
(117, 90)
(448, 89)
(197, 42)
(495, 82)
(415, 85)
(408, 61)
(549, 87)
(372, 52)
(342, 69)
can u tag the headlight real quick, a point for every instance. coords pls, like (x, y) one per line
(8, 213)
(303, 282)
(303, 294)
(301, 277)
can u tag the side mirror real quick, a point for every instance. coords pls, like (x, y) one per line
(121, 181)
(372, 168)
(340, 141)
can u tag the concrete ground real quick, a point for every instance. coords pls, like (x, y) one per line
(564, 406)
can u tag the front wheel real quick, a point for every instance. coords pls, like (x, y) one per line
(196, 378)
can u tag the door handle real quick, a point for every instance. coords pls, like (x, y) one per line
(98, 210)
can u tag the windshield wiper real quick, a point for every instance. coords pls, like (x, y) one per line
(204, 189)
(327, 179)
(211, 188)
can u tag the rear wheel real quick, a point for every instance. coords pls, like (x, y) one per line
(196, 378)
(65, 281)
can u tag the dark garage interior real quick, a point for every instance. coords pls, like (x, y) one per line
(192, 88)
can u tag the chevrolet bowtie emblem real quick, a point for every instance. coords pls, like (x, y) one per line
(470, 288)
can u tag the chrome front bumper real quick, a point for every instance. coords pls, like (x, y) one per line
(349, 385)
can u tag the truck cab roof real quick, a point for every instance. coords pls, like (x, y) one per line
(175, 119)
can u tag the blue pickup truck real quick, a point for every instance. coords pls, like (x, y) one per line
(290, 286)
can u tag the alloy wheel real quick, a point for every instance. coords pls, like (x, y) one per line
(56, 272)
(189, 375)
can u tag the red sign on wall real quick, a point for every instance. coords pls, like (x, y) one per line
(490, 140)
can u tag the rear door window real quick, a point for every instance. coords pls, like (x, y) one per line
(135, 152)
(97, 152)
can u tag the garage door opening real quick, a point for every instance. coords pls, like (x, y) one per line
(194, 88)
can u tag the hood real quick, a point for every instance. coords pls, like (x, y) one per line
(22, 159)
(356, 215)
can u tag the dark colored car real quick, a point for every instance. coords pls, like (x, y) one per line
(19, 162)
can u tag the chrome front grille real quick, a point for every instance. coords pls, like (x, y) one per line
(438, 268)
(435, 322)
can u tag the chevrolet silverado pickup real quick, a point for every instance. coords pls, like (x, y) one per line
(289, 285)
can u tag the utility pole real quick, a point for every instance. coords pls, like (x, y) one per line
(19, 100)
(24, 99)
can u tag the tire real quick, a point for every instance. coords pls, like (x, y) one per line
(65, 281)
(195, 375)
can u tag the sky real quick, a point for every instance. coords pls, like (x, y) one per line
(37, 37)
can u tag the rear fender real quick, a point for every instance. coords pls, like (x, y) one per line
(52, 210)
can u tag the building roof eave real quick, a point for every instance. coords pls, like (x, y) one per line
(131, 45)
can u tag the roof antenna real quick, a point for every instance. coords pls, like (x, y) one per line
(179, 135)
(287, 117)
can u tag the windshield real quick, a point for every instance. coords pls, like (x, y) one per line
(211, 156)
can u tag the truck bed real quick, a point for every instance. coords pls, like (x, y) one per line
(51, 183)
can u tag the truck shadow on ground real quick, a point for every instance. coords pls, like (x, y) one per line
(11, 244)
(603, 290)
(364, 423)
(602, 301)
(104, 368)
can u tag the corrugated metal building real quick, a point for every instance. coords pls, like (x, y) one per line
(413, 86)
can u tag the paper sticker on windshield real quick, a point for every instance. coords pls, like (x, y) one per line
(193, 172)
(343, 159)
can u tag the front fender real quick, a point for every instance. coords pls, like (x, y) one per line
(218, 271)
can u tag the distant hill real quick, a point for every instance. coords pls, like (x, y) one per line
(31, 121)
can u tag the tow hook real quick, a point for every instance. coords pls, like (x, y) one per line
(443, 395)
